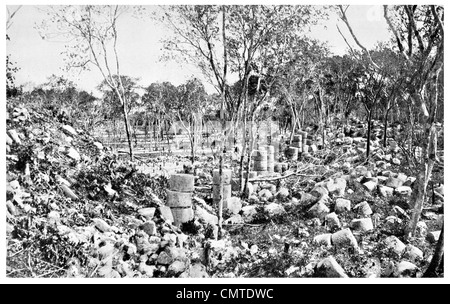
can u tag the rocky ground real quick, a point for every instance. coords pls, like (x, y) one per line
(74, 209)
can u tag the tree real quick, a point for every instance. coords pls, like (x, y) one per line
(418, 34)
(158, 99)
(190, 108)
(11, 89)
(234, 40)
(424, 55)
(91, 34)
(111, 101)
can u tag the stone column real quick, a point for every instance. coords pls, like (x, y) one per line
(179, 197)
(227, 174)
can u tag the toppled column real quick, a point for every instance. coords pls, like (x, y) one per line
(179, 197)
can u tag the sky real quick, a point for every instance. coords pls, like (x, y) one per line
(140, 49)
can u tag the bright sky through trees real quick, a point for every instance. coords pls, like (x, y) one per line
(140, 50)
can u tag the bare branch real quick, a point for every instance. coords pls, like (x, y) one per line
(344, 18)
(437, 18)
(10, 16)
(394, 31)
(414, 28)
(350, 47)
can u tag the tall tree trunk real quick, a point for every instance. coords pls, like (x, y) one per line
(249, 155)
(294, 121)
(242, 185)
(222, 118)
(428, 158)
(369, 130)
(386, 115)
(127, 127)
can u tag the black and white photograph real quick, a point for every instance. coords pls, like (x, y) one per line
(224, 141)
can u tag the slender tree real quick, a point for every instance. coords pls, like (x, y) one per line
(91, 34)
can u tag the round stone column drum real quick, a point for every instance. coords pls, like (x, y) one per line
(179, 197)
(226, 176)
(270, 158)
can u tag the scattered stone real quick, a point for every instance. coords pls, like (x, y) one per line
(372, 268)
(370, 185)
(344, 238)
(69, 130)
(382, 179)
(307, 199)
(234, 204)
(282, 194)
(388, 271)
(361, 171)
(274, 209)
(332, 220)
(253, 249)
(433, 236)
(422, 229)
(149, 227)
(101, 225)
(342, 205)
(72, 153)
(404, 190)
(337, 186)
(197, 270)
(329, 268)
(395, 244)
(409, 181)
(166, 213)
(15, 136)
(164, 258)
(248, 212)
(291, 270)
(265, 195)
(363, 208)
(323, 239)
(319, 210)
(11, 208)
(362, 224)
(106, 251)
(53, 217)
(9, 141)
(385, 191)
(98, 145)
(413, 253)
(234, 219)
(253, 199)
(147, 213)
(176, 267)
(399, 211)
(393, 182)
(205, 216)
(405, 269)
(108, 272)
(402, 177)
(68, 192)
(147, 270)
(319, 191)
